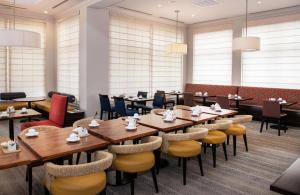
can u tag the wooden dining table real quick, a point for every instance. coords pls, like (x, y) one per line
(156, 121)
(18, 115)
(187, 115)
(115, 132)
(222, 113)
(204, 98)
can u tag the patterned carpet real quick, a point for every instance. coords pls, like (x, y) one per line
(248, 173)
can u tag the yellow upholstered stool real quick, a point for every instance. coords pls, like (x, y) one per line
(183, 146)
(136, 158)
(88, 179)
(237, 129)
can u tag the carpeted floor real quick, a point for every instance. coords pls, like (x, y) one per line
(248, 173)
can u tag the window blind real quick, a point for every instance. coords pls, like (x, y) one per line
(27, 65)
(130, 58)
(277, 63)
(212, 57)
(68, 56)
(2, 62)
(138, 58)
(167, 70)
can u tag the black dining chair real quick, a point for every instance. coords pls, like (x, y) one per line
(106, 107)
(121, 109)
(138, 105)
(167, 102)
(158, 102)
(272, 111)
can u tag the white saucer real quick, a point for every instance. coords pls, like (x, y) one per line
(24, 112)
(91, 125)
(72, 140)
(130, 129)
(169, 121)
(195, 115)
(32, 134)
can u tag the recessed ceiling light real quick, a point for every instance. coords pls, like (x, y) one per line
(45, 12)
(259, 2)
(193, 15)
(159, 5)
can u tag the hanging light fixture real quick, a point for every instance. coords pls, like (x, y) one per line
(247, 43)
(19, 38)
(177, 48)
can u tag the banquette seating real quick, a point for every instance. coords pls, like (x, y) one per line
(6, 100)
(259, 95)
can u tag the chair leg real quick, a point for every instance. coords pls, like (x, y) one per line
(267, 124)
(78, 158)
(101, 114)
(46, 191)
(225, 151)
(262, 124)
(184, 170)
(157, 160)
(245, 141)
(179, 162)
(108, 115)
(200, 164)
(234, 145)
(88, 157)
(204, 148)
(228, 137)
(154, 179)
(214, 154)
(70, 160)
(279, 126)
(132, 184)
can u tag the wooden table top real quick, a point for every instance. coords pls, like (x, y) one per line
(18, 114)
(223, 113)
(157, 122)
(24, 157)
(114, 131)
(52, 144)
(187, 115)
(29, 99)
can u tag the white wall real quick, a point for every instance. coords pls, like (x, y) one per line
(94, 57)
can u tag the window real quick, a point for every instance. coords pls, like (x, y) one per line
(68, 56)
(277, 63)
(138, 59)
(167, 70)
(212, 57)
(23, 69)
(27, 64)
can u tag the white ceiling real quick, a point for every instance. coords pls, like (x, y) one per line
(190, 13)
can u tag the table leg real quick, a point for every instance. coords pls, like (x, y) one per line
(29, 169)
(29, 105)
(204, 101)
(11, 129)
(177, 99)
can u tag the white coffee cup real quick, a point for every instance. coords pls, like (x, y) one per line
(136, 115)
(31, 131)
(82, 132)
(73, 136)
(94, 122)
(279, 99)
(24, 109)
(11, 146)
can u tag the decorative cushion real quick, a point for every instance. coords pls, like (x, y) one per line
(88, 184)
(184, 149)
(38, 123)
(236, 129)
(16, 105)
(134, 163)
(214, 137)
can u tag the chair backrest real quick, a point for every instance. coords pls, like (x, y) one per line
(71, 98)
(104, 102)
(188, 99)
(12, 95)
(120, 106)
(58, 109)
(223, 101)
(142, 93)
(271, 109)
(158, 101)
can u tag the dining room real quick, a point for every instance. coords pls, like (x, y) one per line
(149, 97)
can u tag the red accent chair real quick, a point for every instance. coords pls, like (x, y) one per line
(57, 113)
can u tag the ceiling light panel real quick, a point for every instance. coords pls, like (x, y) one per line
(205, 3)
